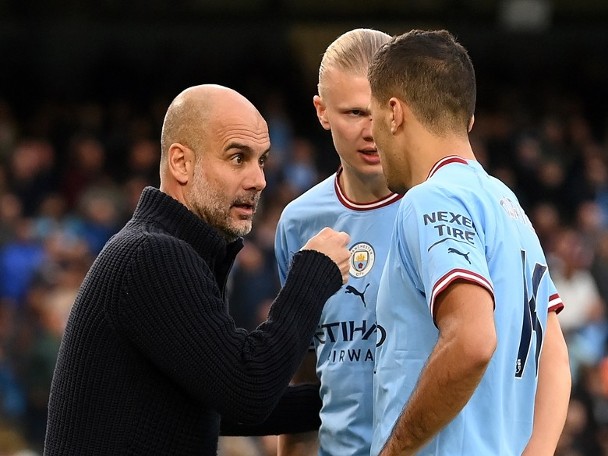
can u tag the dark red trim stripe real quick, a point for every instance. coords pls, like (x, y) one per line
(391, 198)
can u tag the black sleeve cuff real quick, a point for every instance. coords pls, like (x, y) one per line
(297, 411)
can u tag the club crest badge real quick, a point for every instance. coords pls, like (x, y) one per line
(362, 259)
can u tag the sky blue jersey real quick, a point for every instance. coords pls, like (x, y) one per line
(463, 224)
(346, 338)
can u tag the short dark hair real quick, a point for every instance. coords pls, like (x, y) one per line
(432, 73)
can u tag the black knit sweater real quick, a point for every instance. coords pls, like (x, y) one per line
(151, 359)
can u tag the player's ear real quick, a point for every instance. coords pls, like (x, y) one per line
(180, 162)
(321, 109)
(397, 114)
(471, 123)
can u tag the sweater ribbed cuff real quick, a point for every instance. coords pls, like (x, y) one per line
(297, 411)
(312, 279)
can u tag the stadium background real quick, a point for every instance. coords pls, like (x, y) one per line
(83, 87)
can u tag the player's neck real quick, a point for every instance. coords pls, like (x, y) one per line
(363, 188)
(423, 148)
(437, 151)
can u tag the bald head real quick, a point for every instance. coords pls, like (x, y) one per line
(214, 147)
(191, 114)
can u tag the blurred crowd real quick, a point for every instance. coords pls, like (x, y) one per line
(71, 174)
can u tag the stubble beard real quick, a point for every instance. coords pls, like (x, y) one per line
(212, 207)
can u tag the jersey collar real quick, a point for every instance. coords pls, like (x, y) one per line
(445, 161)
(390, 198)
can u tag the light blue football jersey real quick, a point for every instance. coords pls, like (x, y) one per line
(462, 223)
(346, 338)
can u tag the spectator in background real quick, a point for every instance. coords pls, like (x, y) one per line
(281, 137)
(599, 267)
(53, 219)
(300, 171)
(579, 435)
(553, 141)
(11, 215)
(596, 178)
(252, 284)
(85, 168)
(589, 222)
(13, 443)
(8, 130)
(583, 320)
(546, 221)
(4, 181)
(143, 161)
(528, 160)
(101, 211)
(19, 259)
(12, 395)
(31, 172)
(130, 191)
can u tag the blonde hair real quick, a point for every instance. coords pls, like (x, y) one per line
(351, 52)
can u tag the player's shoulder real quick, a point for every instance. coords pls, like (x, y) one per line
(469, 183)
(459, 178)
(430, 190)
(443, 193)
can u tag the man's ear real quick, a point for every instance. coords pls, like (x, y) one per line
(321, 109)
(471, 123)
(181, 162)
(398, 114)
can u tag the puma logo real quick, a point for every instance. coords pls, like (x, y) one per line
(361, 294)
(458, 252)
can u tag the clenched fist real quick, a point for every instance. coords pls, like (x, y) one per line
(333, 244)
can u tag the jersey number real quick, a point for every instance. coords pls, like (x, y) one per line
(530, 321)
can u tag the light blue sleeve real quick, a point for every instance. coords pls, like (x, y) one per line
(281, 251)
(442, 240)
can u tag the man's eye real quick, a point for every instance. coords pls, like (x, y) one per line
(359, 113)
(238, 159)
(263, 160)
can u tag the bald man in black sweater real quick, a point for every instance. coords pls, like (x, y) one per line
(151, 359)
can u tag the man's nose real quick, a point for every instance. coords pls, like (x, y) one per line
(255, 178)
(367, 129)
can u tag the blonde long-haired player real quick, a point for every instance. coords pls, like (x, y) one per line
(355, 198)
